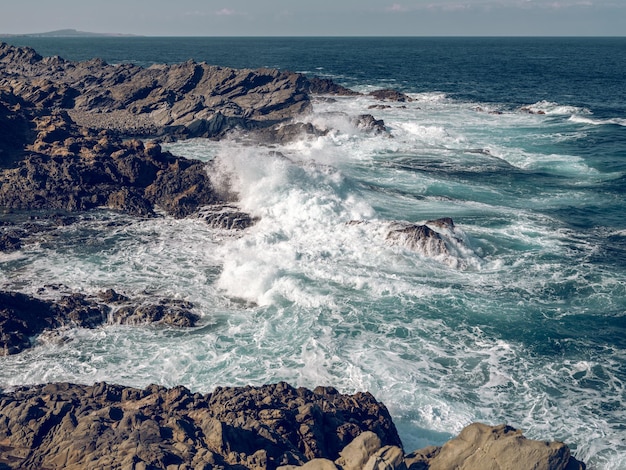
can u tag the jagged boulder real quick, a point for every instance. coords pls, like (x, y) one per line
(417, 237)
(70, 168)
(369, 123)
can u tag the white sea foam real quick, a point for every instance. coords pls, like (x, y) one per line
(551, 108)
(552, 163)
(315, 294)
(597, 122)
(429, 97)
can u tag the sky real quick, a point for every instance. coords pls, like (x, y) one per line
(319, 17)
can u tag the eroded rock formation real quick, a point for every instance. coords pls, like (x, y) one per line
(187, 99)
(23, 317)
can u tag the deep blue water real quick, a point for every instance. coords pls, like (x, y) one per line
(522, 141)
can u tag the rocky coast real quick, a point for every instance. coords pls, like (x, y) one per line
(81, 136)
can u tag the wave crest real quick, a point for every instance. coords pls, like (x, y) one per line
(552, 108)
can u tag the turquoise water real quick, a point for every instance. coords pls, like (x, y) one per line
(521, 141)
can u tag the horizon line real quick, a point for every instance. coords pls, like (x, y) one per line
(88, 35)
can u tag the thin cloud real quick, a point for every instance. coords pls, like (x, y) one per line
(225, 12)
(455, 5)
(206, 13)
(397, 8)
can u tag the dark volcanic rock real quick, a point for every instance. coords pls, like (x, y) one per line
(325, 86)
(171, 313)
(107, 426)
(420, 238)
(16, 130)
(390, 95)
(10, 242)
(69, 168)
(227, 217)
(23, 317)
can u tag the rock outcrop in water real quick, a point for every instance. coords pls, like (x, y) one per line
(69, 168)
(66, 426)
(23, 317)
(421, 237)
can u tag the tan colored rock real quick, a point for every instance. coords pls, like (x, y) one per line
(315, 464)
(387, 458)
(358, 452)
(502, 447)
(419, 459)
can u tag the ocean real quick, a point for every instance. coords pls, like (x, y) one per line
(521, 141)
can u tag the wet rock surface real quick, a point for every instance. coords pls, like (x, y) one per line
(23, 317)
(369, 123)
(417, 237)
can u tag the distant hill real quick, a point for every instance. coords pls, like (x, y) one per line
(67, 33)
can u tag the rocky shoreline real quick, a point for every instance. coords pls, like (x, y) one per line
(73, 139)
(275, 426)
